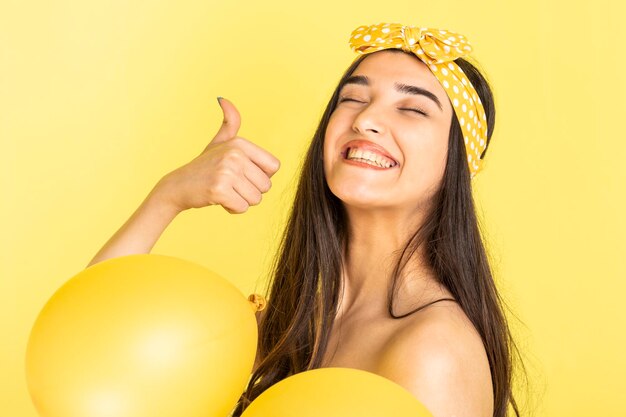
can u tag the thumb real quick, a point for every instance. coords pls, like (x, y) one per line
(230, 124)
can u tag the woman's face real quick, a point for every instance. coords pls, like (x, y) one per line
(386, 118)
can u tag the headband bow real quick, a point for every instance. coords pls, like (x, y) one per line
(437, 49)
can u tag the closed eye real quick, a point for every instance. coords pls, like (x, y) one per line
(341, 100)
(349, 99)
(417, 111)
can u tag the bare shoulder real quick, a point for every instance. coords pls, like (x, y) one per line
(440, 358)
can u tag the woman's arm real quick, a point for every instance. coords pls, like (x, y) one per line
(141, 231)
(231, 171)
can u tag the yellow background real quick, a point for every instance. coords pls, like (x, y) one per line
(99, 100)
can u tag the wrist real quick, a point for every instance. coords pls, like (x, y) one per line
(160, 202)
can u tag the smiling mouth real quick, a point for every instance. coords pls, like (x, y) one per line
(357, 158)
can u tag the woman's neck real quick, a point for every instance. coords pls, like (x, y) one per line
(375, 242)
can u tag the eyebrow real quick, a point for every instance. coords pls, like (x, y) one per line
(402, 88)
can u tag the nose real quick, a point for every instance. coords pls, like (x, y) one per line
(370, 118)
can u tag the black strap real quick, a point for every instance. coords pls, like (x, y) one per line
(426, 305)
(433, 302)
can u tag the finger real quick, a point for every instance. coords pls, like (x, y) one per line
(236, 203)
(230, 123)
(247, 191)
(262, 158)
(257, 177)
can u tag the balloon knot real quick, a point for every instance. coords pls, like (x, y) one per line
(258, 302)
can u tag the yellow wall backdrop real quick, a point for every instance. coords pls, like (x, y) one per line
(100, 99)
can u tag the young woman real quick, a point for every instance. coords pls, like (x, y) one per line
(381, 266)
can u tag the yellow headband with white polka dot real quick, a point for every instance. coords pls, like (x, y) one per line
(437, 49)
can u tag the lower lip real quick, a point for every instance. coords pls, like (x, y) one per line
(364, 165)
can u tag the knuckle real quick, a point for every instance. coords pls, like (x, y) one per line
(220, 189)
(237, 140)
(234, 155)
(225, 168)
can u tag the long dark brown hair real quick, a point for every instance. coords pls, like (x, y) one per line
(306, 270)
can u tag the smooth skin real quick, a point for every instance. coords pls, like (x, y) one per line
(436, 353)
(231, 172)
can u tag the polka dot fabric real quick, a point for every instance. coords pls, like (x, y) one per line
(437, 49)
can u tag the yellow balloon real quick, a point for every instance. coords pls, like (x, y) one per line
(336, 392)
(142, 336)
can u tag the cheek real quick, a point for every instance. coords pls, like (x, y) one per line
(425, 155)
(340, 120)
(328, 150)
(331, 136)
(326, 147)
(436, 163)
(332, 123)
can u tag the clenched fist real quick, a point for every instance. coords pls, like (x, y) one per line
(231, 171)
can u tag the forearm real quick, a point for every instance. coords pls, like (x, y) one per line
(141, 231)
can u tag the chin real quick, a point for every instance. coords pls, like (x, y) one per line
(361, 196)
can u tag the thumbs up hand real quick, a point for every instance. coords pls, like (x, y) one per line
(231, 171)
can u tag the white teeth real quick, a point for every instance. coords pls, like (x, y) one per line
(369, 157)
